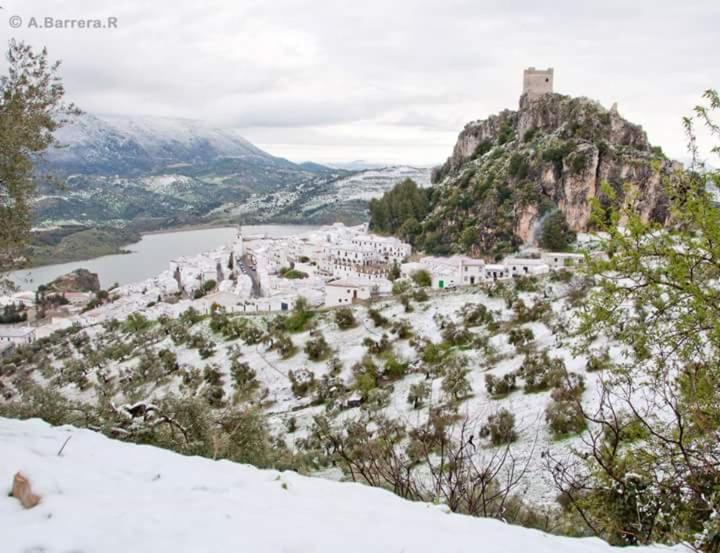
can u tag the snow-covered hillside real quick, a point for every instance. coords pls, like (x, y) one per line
(103, 496)
(109, 144)
(325, 200)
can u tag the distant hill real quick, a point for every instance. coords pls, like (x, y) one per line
(122, 145)
(343, 198)
(121, 169)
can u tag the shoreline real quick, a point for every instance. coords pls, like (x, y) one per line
(122, 249)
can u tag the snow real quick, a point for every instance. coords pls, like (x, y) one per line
(152, 133)
(112, 497)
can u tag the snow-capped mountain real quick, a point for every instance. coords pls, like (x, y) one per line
(115, 144)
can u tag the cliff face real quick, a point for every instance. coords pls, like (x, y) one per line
(555, 152)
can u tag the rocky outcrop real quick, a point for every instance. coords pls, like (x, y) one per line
(80, 280)
(554, 152)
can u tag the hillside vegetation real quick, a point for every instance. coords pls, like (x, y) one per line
(512, 171)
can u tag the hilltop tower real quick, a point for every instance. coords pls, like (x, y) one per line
(537, 82)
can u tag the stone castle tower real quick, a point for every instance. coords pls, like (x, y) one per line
(537, 82)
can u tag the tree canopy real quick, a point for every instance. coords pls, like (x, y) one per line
(651, 468)
(400, 210)
(31, 110)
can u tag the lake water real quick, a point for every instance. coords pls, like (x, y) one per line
(150, 256)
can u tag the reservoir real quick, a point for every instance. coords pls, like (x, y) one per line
(150, 256)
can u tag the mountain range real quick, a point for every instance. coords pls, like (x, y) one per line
(152, 171)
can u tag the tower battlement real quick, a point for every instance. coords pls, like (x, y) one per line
(537, 82)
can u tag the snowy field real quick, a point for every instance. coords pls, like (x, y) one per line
(104, 496)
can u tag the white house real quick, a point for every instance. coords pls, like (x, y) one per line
(560, 259)
(18, 335)
(496, 271)
(341, 292)
(520, 266)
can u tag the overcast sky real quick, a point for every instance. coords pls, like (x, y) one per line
(378, 80)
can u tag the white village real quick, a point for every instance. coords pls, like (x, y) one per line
(332, 266)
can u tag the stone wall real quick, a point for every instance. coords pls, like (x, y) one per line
(537, 82)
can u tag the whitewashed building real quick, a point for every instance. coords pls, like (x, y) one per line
(18, 335)
(561, 259)
(342, 292)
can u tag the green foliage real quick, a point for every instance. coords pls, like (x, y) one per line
(556, 152)
(418, 394)
(422, 278)
(294, 274)
(506, 133)
(455, 383)
(499, 388)
(302, 382)
(518, 168)
(137, 323)
(482, 148)
(378, 319)
(600, 362)
(476, 314)
(661, 306)
(500, 428)
(406, 201)
(317, 348)
(400, 287)
(300, 317)
(345, 318)
(31, 110)
(542, 372)
(555, 234)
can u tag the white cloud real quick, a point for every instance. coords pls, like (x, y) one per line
(333, 80)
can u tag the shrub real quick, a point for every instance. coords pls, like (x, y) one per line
(420, 295)
(400, 287)
(500, 387)
(455, 383)
(525, 314)
(301, 382)
(244, 378)
(283, 344)
(500, 428)
(378, 319)
(299, 318)
(377, 347)
(530, 134)
(137, 323)
(555, 234)
(518, 167)
(366, 376)
(394, 368)
(570, 388)
(418, 394)
(599, 362)
(345, 318)
(402, 329)
(457, 335)
(294, 274)
(526, 283)
(317, 348)
(564, 418)
(520, 337)
(422, 278)
(541, 372)
(483, 147)
(475, 314)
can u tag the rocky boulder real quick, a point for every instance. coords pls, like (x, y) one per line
(80, 280)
